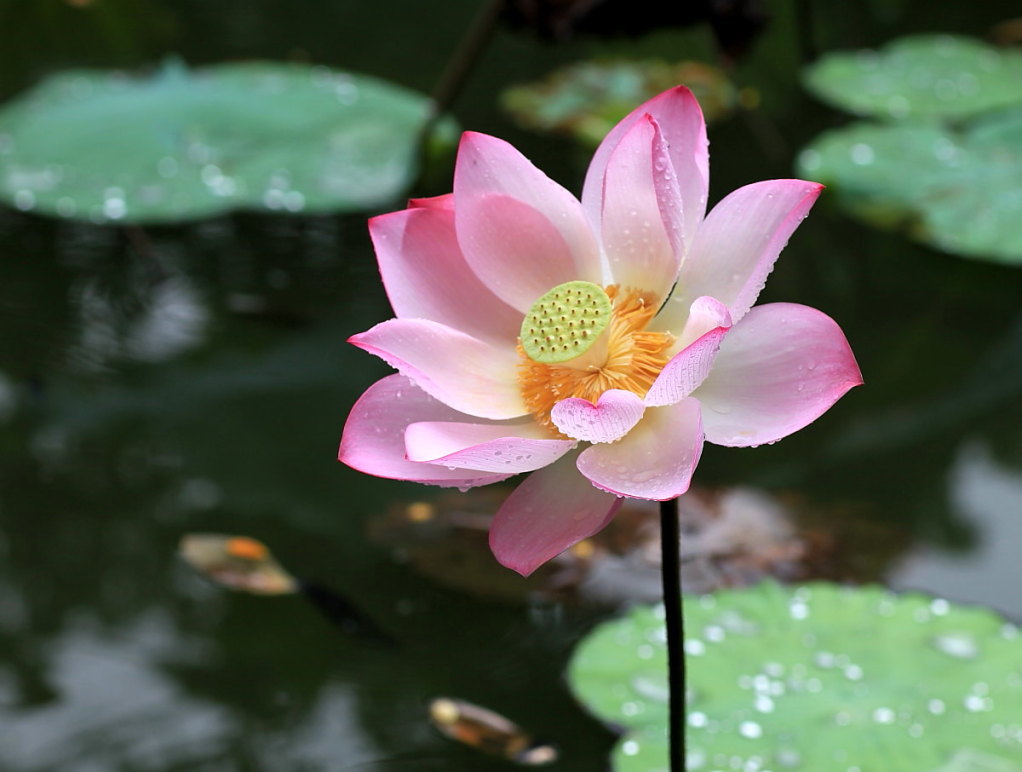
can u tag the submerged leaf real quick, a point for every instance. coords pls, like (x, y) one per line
(958, 190)
(731, 537)
(586, 100)
(184, 144)
(820, 678)
(920, 76)
(237, 562)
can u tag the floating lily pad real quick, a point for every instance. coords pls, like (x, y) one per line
(184, 144)
(585, 100)
(960, 191)
(819, 678)
(920, 75)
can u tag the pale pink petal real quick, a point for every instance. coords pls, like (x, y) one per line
(468, 374)
(736, 246)
(611, 418)
(655, 460)
(501, 448)
(681, 121)
(426, 275)
(708, 322)
(705, 315)
(445, 201)
(636, 241)
(778, 370)
(521, 232)
(549, 512)
(374, 435)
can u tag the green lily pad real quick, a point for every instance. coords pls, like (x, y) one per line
(820, 678)
(920, 75)
(960, 191)
(184, 144)
(585, 100)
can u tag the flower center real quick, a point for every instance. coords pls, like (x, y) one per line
(565, 322)
(618, 353)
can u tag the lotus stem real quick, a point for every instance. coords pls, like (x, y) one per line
(670, 567)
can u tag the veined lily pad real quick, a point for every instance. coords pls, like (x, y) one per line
(920, 75)
(586, 100)
(960, 191)
(186, 144)
(819, 678)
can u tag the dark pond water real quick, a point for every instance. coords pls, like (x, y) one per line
(162, 381)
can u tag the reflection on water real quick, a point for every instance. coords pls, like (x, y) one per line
(988, 495)
(113, 705)
(170, 319)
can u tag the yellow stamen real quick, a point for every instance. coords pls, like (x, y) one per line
(634, 358)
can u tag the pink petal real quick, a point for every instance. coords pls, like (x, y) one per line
(778, 370)
(521, 232)
(374, 435)
(611, 418)
(465, 373)
(736, 246)
(636, 241)
(426, 275)
(549, 512)
(501, 448)
(708, 322)
(681, 123)
(445, 201)
(655, 460)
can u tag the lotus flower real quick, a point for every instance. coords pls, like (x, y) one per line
(595, 344)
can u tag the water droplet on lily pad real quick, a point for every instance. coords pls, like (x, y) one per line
(958, 645)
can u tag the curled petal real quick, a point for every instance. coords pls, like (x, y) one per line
(707, 324)
(737, 244)
(612, 417)
(521, 232)
(778, 370)
(655, 460)
(426, 275)
(374, 435)
(636, 241)
(500, 448)
(465, 373)
(553, 509)
(681, 122)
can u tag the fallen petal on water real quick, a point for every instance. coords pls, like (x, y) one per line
(488, 732)
(238, 562)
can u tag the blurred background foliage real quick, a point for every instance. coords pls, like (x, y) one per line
(159, 380)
